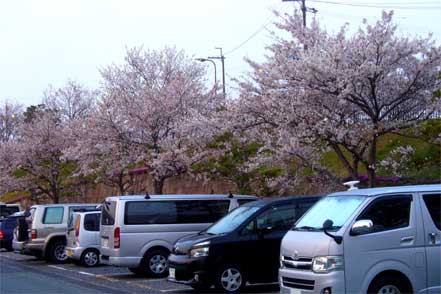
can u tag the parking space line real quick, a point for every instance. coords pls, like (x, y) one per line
(87, 274)
(57, 267)
(172, 290)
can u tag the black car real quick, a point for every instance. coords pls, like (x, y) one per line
(241, 247)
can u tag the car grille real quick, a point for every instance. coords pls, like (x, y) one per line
(300, 263)
(298, 283)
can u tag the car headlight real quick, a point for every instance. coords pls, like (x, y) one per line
(325, 264)
(200, 249)
(199, 252)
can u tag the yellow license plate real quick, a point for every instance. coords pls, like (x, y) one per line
(172, 273)
(69, 253)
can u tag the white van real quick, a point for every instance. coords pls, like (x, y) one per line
(138, 232)
(380, 240)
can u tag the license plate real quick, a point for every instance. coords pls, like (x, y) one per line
(172, 273)
(69, 252)
(105, 242)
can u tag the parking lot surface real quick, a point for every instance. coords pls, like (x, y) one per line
(26, 274)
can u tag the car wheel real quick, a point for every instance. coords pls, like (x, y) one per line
(90, 257)
(230, 279)
(389, 285)
(56, 253)
(155, 264)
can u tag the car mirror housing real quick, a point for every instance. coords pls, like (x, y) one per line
(362, 226)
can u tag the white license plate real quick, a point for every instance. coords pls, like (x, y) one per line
(105, 242)
(69, 252)
(172, 273)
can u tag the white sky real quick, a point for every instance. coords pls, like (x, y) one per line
(49, 41)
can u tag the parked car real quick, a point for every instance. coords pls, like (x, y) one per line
(7, 226)
(83, 238)
(42, 230)
(380, 240)
(138, 232)
(8, 209)
(244, 246)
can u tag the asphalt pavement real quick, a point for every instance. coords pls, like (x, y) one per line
(26, 274)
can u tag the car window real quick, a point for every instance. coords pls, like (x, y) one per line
(279, 218)
(53, 215)
(201, 211)
(92, 222)
(108, 211)
(6, 211)
(243, 201)
(150, 212)
(388, 213)
(73, 209)
(433, 204)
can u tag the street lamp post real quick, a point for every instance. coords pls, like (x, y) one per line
(222, 58)
(215, 70)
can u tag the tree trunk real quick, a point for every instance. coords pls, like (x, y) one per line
(352, 170)
(158, 185)
(55, 197)
(372, 162)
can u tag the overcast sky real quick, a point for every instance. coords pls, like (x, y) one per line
(49, 41)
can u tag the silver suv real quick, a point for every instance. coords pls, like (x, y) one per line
(83, 240)
(42, 232)
(139, 231)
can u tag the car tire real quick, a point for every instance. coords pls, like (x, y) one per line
(390, 285)
(56, 253)
(154, 264)
(90, 258)
(230, 279)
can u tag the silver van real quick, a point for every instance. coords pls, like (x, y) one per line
(380, 240)
(42, 231)
(83, 238)
(138, 232)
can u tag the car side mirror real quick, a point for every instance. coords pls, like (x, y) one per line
(264, 229)
(362, 226)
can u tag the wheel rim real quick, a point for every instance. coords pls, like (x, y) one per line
(59, 253)
(389, 289)
(158, 264)
(231, 279)
(90, 258)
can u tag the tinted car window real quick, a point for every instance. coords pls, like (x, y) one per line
(279, 218)
(108, 213)
(388, 213)
(150, 212)
(79, 209)
(433, 204)
(6, 211)
(92, 222)
(53, 215)
(206, 211)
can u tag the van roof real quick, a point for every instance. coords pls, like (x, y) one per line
(280, 200)
(389, 190)
(179, 197)
(64, 204)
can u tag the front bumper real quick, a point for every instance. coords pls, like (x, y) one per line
(74, 252)
(308, 282)
(189, 271)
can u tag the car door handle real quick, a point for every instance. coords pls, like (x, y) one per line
(407, 239)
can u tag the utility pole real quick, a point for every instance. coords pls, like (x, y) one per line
(222, 59)
(303, 9)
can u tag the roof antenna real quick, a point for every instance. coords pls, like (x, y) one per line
(352, 185)
(147, 196)
(230, 195)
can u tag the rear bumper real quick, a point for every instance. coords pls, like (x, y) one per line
(34, 246)
(17, 246)
(120, 261)
(74, 252)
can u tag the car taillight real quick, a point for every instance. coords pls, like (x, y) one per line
(1, 234)
(77, 227)
(116, 238)
(34, 234)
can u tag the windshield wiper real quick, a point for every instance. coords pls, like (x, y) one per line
(306, 228)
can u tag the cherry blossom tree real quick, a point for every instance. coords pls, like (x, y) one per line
(145, 115)
(344, 91)
(10, 118)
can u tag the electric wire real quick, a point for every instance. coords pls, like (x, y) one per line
(378, 5)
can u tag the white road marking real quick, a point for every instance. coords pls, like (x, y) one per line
(171, 290)
(87, 274)
(57, 267)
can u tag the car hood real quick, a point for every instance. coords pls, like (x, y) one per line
(183, 245)
(309, 245)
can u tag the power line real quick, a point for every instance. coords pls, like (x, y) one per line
(391, 6)
(262, 27)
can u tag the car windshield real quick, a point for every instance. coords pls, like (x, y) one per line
(232, 220)
(335, 208)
